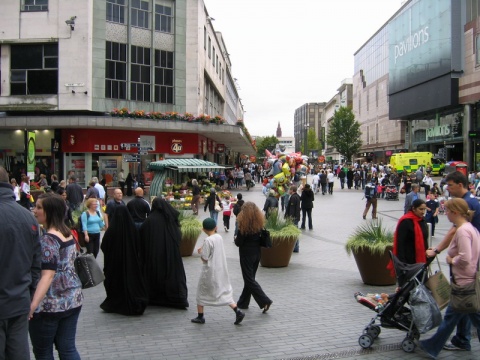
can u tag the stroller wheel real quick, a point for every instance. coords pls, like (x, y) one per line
(374, 331)
(408, 345)
(365, 341)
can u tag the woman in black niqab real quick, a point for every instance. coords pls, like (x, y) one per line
(124, 282)
(160, 238)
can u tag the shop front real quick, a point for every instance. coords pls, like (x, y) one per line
(104, 153)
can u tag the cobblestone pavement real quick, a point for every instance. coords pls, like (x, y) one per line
(313, 316)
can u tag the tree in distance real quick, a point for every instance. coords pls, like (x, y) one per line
(265, 143)
(344, 133)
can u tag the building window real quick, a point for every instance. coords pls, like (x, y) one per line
(205, 38)
(139, 14)
(477, 49)
(164, 71)
(163, 18)
(34, 69)
(34, 5)
(216, 63)
(213, 57)
(116, 71)
(209, 48)
(116, 11)
(140, 73)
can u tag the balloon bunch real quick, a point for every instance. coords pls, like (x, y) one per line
(281, 169)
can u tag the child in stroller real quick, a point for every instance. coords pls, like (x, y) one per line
(391, 309)
(391, 192)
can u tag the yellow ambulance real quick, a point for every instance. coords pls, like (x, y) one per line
(412, 161)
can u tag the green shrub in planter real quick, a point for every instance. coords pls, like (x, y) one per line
(281, 229)
(372, 235)
(191, 229)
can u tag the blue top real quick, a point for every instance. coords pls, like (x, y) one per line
(65, 292)
(473, 204)
(93, 223)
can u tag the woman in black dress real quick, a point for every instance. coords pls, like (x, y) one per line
(250, 223)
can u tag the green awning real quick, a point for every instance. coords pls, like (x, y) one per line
(184, 165)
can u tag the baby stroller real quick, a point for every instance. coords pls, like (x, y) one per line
(394, 313)
(391, 192)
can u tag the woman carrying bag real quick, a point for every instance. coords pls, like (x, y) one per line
(463, 256)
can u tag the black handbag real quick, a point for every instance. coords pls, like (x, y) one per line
(88, 270)
(265, 239)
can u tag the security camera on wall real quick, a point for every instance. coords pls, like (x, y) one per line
(71, 22)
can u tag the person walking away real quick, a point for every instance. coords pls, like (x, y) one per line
(121, 181)
(248, 180)
(101, 191)
(112, 205)
(330, 180)
(431, 217)
(210, 204)
(236, 210)
(350, 177)
(371, 196)
(323, 181)
(92, 224)
(307, 199)
(20, 259)
(162, 263)
(214, 287)
(457, 184)
(292, 210)
(227, 212)
(139, 208)
(68, 219)
(195, 196)
(129, 183)
(463, 257)
(341, 176)
(92, 192)
(271, 203)
(315, 182)
(124, 282)
(411, 197)
(74, 193)
(54, 182)
(58, 299)
(250, 224)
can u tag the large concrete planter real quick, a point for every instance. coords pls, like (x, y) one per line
(187, 245)
(279, 254)
(373, 266)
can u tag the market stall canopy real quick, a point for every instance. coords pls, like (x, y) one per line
(185, 165)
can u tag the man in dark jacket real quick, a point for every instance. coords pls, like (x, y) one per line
(139, 208)
(20, 270)
(74, 193)
(292, 210)
(236, 210)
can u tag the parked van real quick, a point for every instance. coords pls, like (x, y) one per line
(412, 161)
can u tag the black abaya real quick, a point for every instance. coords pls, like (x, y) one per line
(160, 253)
(124, 282)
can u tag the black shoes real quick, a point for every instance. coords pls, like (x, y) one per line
(238, 317)
(267, 307)
(198, 320)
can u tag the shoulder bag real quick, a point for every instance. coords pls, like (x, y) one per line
(265, 239)
(465, 299)
(88, 270)
(439, 286)
(218, 208)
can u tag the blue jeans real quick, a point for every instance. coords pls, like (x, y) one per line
(59, 329)
(214, 215)
(434, 345)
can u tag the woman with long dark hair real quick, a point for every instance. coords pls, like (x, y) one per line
(250, 223)
(57, 301)
(410, 240)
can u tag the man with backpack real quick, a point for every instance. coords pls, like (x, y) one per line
(371, 196)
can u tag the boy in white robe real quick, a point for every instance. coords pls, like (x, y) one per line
(214, 286)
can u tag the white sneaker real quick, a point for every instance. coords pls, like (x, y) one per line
(225, 228)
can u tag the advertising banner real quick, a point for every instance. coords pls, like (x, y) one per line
(31, 154)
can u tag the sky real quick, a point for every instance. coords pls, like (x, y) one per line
(288, 53)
